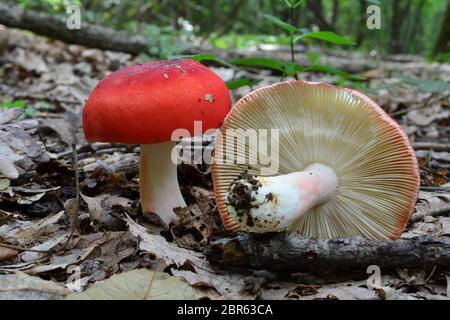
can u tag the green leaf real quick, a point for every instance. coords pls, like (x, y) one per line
(31, 112)
(141, 284)
(219, 43)
(377, 2)
(313, 57)
(203, 57)
(293, 5)
(41, 105)
(291, 68)
(327, 36)
(430, 86)
(19, 285)
(238, 83)
(259, 62)
(434, 86)
(8, 104)
(297, 4)
(286, 26)
(332, 70)
(288, 3)
(442, 57)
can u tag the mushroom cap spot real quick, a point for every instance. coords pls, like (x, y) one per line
(145, 103)
(342, 128)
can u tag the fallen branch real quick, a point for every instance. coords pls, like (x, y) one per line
(434, 213)
(44, 98)
(423, 105)
(22, 249)
(55, 27)
(431, 145)
(435, 189)
(281, 252)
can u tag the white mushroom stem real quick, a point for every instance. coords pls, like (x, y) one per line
(266, 204)
(160, 192)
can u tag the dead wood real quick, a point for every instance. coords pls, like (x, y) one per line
(294, 253)
(55, 27)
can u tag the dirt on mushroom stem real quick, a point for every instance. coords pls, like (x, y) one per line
(241, 197)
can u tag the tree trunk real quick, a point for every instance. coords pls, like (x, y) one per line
(396, 42)
(293, 253)
(414, 30)
(362, 22)
(55, 27)
(223, 25)
(335, 13)
(316, 8)
(442, 43)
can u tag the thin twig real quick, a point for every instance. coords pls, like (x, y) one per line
(45, 98)
(434, 213)
(75, 165)
(23, 249)
(430, 275)
(291, 20)
(77, 189)
(423, 105)
(435, 189)
(74, 208)
(85, 155)
(431, 146)
(98, 148)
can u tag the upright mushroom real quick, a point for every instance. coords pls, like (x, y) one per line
(345, 167)
(143, 104)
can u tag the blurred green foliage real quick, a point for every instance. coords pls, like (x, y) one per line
(429, 86)
(8, 104)
(407, 26)
(27, 110)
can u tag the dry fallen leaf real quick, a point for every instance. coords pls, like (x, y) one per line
(351, 290)
(26, 232)
(100, 205)
(425, 117)
(62, 76)
(7, 253)
(7, 162)
(20, 286)
(141, 284)
(30, 256)
(7, 115)
(17, 143)
(68, 132)
(194, 267)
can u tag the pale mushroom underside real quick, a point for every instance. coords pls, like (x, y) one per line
(341, 128)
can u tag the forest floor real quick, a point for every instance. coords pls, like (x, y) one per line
(49, 82)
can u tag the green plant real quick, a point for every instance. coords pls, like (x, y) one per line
(8, 104)
(165, 41)
(289, 68)
(27, 110)
(302, 34)
(203, 57)
(429, 86)
(239, 41)
(242, 82)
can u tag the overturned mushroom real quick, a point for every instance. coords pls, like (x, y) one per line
(145, 104)
(345, 168)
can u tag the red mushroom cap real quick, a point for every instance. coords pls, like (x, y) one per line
(145, 103)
